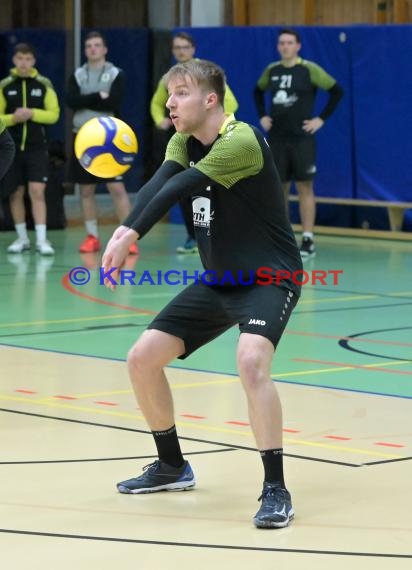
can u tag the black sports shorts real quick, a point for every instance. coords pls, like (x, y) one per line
(295, 157)
(27, 166)
(201, 313)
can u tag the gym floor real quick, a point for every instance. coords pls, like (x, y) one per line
(70, 428)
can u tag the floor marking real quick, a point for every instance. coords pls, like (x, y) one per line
(375, 367)
(193, 417)
(385, 444)
(338, 437)
(348, 338)
(203, 427)
(64, 397)
(61, 321)
(333, 300)
(68, 286)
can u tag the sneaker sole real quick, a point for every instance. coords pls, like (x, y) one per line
(188, 251)
(19, 251)
(274, 524)
(48, 254)
(179, 486)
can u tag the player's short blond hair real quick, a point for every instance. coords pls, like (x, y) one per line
(206, 74)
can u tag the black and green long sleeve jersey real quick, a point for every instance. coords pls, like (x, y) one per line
(238, 205)
(292, 93)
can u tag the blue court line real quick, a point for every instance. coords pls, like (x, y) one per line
(324, 386)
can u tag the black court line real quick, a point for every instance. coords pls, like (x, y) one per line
(357, 308)
(184, 438)
(107, 458)
(344, 343)
(383, 461)
(199, 545)
(350, 292)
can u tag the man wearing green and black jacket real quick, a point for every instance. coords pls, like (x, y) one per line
(28, 103)
(183, 50)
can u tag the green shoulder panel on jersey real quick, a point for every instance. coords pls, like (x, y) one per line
(6, 81)
(2, 126)
(234, 156)
(177, 151)
(263, 81)
(45, 81)
(319, 76)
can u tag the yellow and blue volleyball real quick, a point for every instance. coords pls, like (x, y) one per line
(106, 147)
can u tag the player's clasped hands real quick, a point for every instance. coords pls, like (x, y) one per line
(116, 253)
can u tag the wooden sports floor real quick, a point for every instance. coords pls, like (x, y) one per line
(70, 429)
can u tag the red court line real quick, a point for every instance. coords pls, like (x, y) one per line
(290, 430)
(107, 403)
(347, 364)
(192, 417)
(66, 397)
(348, 338)
(68, 286)
(338, 437)
(237, 423)
(26, 391)
(385, 444)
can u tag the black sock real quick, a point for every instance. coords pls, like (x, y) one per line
(168, 447)
(273, 464)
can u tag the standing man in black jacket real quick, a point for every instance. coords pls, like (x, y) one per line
(95, 90)
(290, 126)
(28, 102)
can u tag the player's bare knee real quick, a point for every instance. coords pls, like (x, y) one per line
(251, 368)
(137, 359)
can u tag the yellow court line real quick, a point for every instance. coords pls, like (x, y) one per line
(399, 293)
(341, 368)
(201, 427)
(74, 320)
(335, 299)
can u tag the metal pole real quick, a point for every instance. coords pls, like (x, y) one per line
(77, 32)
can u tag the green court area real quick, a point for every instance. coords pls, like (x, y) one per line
(353, 335)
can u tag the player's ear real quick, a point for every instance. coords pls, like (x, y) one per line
(211, 99)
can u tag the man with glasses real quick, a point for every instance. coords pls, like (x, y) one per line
(183, 50)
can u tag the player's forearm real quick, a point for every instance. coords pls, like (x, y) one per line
(179, 186)
(259, 97)
(335, 95)
(150, 189)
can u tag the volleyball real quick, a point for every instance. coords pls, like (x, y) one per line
(106, 147)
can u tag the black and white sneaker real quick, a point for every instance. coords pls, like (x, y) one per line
(307, 248)
(276, 510)
(159, 476)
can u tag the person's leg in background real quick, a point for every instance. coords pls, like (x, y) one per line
(122, 205)
(39, 211)
(304, 170)
(190, 245)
